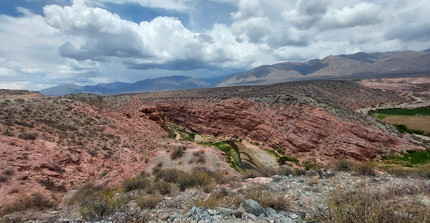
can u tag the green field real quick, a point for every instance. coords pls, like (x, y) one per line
(415, 120)
(425, 111)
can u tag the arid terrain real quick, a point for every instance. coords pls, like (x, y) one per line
(299, 141)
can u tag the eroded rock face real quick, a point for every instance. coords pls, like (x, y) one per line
(51, 145)
(302, 130)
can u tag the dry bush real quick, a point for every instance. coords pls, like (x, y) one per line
(163, 187)
(101, 203)
(136, 183)
(198, 157)
(3, 179)
(200, 177)
(365, 168)
(367, 204)
(220, 198)
(424, 170)
(50, 185)
(28, 136)
(342, 165)
(82, 195)
(267, 197)
(178, 152)
(8, 172)
(148, 201)
(169, 175)
(35, 201)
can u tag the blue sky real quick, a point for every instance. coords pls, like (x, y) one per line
(50, 42)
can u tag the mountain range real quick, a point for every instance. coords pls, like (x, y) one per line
(357, 66)
(158, 84)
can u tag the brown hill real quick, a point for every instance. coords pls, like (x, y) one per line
(359, 65)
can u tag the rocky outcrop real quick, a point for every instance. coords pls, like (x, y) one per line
(302, 130)
(49, 145)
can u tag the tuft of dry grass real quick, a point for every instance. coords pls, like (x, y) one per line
(198, 177)
(342, 165)
(365, 168)
(99, 202)
(368, 205)
(267, 197)
(148, 201)
(35, 201)
(178, 153)
(220, 198)
(136, 183)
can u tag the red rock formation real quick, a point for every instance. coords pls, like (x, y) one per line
(303, 130)
(105, 146)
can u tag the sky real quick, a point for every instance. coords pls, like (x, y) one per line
(51, 42)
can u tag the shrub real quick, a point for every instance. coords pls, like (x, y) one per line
(82, 195)
(199, 157)
(220, 198)
(197, 177)
(56, 168)
(188, 138)
(169, 175)
(342, 165)
(365, 168)
(28, 136)
(163, 187)
(136, 183)
(400, 171)
(101, 203)
(3, 179)
(35, 201)
(268, 197)
(424, 171)
(178, 153)
(50, 185)
(171, 134)
(371, 205)
(310, 165)
(148, 201)
(8, 172)
(283, 159)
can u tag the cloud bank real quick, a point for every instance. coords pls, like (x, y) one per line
(86, 43)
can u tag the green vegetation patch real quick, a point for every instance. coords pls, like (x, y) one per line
(410, 158)
(425, 111)
(404, 129)
(272, 152)
(283, 159)
(232, 156)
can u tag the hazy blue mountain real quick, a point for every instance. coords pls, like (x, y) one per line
(165, 84)
(158, 84)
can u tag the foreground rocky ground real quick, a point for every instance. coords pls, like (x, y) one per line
(314, 197)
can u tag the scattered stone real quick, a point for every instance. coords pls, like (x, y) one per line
(424, 201)
(293, 216)
(253, 207)
(248, 216)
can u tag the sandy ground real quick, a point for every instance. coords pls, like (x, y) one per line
(412, 122)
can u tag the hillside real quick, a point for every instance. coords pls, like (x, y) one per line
(52, 146)
(358, 66)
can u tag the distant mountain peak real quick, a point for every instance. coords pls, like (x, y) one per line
(357, 65)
